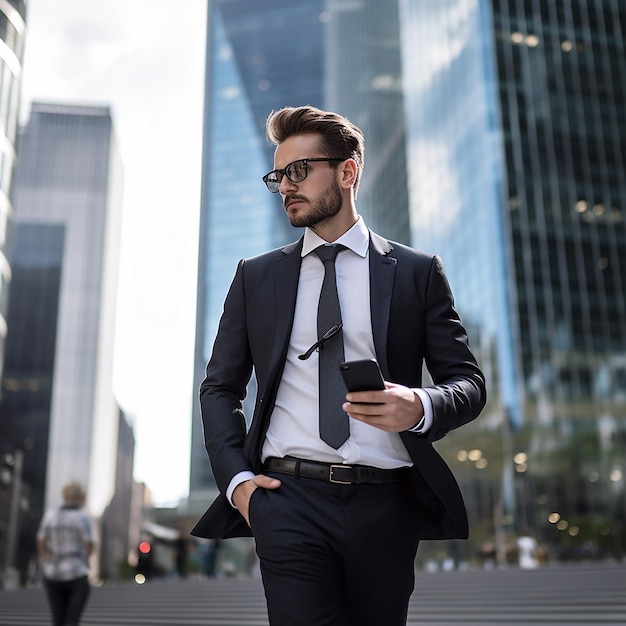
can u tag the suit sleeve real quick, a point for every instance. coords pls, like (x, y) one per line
(224, 388)
(458, 394)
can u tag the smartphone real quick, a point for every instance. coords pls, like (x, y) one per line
(362, 375)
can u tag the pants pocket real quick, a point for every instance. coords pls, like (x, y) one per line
(257, 494)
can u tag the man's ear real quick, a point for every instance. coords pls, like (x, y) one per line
(349, 171)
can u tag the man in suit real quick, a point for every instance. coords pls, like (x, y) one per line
(336, 525)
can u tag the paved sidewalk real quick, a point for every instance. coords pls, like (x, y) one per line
(588, 594)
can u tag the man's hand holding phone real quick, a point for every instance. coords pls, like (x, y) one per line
(371, 399)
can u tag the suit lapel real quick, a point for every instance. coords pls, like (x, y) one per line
(282, 305)
(286, 276)
(382, 274)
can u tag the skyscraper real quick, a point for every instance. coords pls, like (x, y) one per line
(496, 138)
(516, 120)
(12, 33)
(261, 57)
(58, 404)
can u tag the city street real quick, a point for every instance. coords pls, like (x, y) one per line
(591, 594)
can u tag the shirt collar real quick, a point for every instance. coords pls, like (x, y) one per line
(356, 239)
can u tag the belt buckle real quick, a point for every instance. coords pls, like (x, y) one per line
(331, 472)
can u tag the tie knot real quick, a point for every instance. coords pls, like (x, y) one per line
(329, 253)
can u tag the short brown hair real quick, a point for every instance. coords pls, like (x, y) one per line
(340, 137)
(73, 493)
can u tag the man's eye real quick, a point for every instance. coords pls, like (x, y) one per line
(297, 170)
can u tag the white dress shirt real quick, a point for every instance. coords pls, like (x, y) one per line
(294, 424)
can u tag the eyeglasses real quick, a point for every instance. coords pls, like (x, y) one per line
(296, 172)
(318, 345)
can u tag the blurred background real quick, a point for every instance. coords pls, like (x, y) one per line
(495, 137)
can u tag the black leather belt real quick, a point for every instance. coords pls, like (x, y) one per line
(333, 473)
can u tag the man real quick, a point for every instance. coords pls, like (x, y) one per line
(65, 541)
(336, 524)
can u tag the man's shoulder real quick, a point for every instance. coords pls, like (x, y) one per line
(281, 251)
(277, 253)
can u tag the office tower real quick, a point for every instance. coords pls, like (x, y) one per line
(262, 56)
(12, 33)
(114, 546)
(58, 405)
(516, 128)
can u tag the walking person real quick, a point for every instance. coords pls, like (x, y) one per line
(337, 489)
(65, 541)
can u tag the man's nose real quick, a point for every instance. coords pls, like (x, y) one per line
(286, 185)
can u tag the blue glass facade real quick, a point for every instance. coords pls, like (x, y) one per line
(516, 141)
(247, 76)
(456, 170)
(495, 137)
(241, 217)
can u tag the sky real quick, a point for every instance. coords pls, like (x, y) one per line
(144, 59)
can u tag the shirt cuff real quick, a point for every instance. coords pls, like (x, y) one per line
(235, 482)
(427, 421)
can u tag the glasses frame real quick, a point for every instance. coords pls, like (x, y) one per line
(283, 172)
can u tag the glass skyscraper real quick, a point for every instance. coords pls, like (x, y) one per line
(516, 119)
(496, 138)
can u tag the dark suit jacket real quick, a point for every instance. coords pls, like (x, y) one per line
(413, 321)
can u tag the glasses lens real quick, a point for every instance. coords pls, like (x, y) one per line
(296, 171)
(272, 181)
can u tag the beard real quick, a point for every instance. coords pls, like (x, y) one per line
(327, 205)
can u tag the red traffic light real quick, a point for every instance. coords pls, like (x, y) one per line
(144, 547)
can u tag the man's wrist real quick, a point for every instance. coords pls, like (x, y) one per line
(235, 482)
(418, 427)
(426, 421)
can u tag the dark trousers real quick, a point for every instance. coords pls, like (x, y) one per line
(67, 600)
(335, 555)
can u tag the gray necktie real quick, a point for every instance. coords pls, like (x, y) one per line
(334, 425)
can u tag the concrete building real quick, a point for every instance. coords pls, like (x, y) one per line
(116, 530)
(58, 404)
